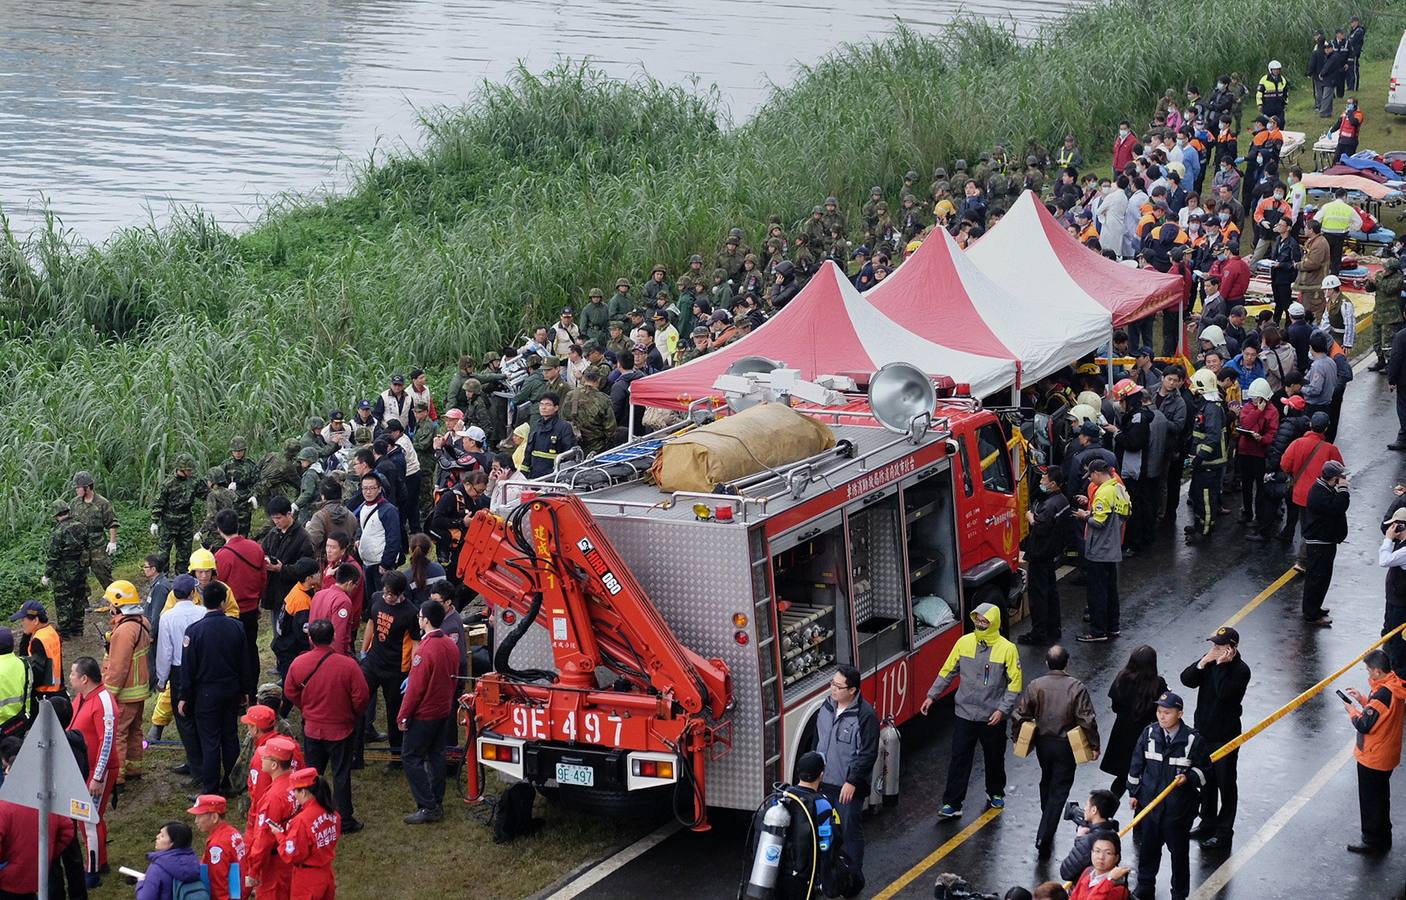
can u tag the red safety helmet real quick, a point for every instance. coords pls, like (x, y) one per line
(1125, 389)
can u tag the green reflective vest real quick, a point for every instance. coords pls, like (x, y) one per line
(14, 688)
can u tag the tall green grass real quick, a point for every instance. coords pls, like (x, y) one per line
(172, 339)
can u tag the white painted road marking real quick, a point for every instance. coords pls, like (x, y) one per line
(608, 866)
(1221, 876)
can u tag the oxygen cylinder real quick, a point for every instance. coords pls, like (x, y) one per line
(889, 749)
(876, 781)
(761, 885)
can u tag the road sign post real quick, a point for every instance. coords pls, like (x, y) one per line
(46, 777)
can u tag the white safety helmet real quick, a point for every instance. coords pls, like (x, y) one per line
(1296, 310)
(1332, 282)
(1204, 383)
(1275, 64)
(1082, 412)
(1259, 389)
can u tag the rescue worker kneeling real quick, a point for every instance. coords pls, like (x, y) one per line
(795, 849)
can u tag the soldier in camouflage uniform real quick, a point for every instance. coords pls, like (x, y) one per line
(309, 477)
(1386, 314)
(477, 410)
(596, 361)
(621, 303)
(983, 168)
(244, 475)
(426, 430)
(278, 472)
(1034, 176)
(698, 344)
(730, 257)
(173, 515)
(218, 496)
(590, 412)
(313, 438)
(550, 381)
(868, 213)
(833, 218)
(95, 513)
(65, 572)
(814, 234)
(491, 380)
(595, 316)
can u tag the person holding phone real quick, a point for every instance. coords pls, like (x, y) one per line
(1376, 718)
(1392, 557)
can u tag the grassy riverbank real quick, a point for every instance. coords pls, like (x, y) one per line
(171, 339)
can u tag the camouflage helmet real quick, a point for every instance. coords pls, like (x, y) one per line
(882, 206)
(83, 479)
(720, 273)
(876, 191)
(596, 292)
(1032, 160)
(959, 166)
(291, 447)
(939, 174)
(60, 508)
(659, 268)
(622, 282)
(363, 435)
(910, 175)
(751, 258)
(184, 462)
(817, 210)
(832, 201)
(473, 386)
(308, 454)
(315, 423)
(238, 443)
(735, 232)
(216, 475)
(984, 156)
(695, 258)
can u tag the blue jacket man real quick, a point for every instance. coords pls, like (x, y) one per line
(212, 679)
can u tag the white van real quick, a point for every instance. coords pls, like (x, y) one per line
(1396, 91)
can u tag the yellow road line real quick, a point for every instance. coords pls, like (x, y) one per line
(936, 856)
(1261, 597)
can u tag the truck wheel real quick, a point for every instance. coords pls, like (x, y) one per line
(648, 804)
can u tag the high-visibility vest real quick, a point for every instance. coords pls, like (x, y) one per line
(1348, 125)
(14, 687)
(1336, 217)
(53, 648)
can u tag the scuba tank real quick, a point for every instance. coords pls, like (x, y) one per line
(766, 862)
(883, 784)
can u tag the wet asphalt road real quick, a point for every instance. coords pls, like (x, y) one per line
(1172, 598)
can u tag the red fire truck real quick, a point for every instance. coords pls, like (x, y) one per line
(645, 640)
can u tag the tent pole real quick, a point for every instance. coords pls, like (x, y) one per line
(1110, 359)
(1181, 330)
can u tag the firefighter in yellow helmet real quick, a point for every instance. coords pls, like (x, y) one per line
(126, 674)
(1209, 454)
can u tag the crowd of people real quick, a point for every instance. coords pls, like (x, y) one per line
(354, 571)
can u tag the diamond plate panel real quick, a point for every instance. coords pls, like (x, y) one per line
(697, 574)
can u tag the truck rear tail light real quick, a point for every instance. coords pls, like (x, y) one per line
(499, 752)
(739, 620)
(741, 638)
(508, 617)
(723, 513)
(650, 768)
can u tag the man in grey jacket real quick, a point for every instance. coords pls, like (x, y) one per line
(847, 731)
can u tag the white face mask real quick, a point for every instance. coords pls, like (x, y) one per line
(1224, 217)
(1122, 132)
(1278, 195)
(1193, 227)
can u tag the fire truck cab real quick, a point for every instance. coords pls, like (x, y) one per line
(872, 553)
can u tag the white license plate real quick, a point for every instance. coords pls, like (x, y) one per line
(582, 776)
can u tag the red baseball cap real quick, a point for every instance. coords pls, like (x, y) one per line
(303, 778)
(261, 717)
(209, 803)
(280, 748)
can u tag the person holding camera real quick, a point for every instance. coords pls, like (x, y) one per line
(1324, 527)
(1094, 821)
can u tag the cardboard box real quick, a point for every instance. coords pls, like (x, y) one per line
(1079, 743)
(1025, 739)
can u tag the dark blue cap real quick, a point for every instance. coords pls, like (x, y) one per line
(1170, 700)
(31, 609)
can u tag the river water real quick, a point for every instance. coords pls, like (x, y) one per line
(113, 111)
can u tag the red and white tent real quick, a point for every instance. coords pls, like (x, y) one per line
(941, 294)
(1028, 254)
(829, 328)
